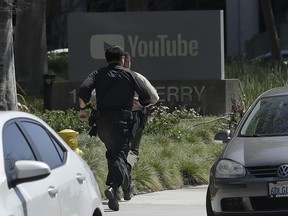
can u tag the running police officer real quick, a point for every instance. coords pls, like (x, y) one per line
(140, 112)
(115, 87)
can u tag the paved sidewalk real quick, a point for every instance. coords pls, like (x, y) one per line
(183, 202)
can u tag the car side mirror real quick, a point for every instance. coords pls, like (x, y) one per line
(224, 136)
(28, 170)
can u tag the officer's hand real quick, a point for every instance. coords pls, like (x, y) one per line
(83, 115)
(136, 103)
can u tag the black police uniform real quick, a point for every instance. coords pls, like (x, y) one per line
(115, 87)
(142, 118)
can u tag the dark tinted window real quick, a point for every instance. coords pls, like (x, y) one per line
(15, 148)
(60, 150)
(44, 144)
(269, 117)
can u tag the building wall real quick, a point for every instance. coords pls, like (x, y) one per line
(242, 23)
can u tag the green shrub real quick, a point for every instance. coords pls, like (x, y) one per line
(156, 148)
(164, 122)
(161, 121)
(255, 77)
(58, 65)
(60, 120)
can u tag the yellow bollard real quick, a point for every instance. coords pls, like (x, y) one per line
(70, 137)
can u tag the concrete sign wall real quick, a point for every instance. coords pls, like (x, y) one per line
(209, 97)
(176, 45)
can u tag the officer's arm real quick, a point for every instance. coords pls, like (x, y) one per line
(84, 94)
(152, 91)
(85, 89)
(143, 92)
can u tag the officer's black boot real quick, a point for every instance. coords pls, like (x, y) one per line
(118, 195)
(128, 192)
(110, 194)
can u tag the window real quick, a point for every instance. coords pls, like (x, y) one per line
(59, 149)
(44, 144)
(15, 148)
(269, 117)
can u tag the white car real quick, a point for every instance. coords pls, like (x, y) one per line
(40, 174)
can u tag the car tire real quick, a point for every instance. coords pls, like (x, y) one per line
(209, 210)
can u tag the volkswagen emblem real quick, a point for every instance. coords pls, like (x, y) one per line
(283, 170)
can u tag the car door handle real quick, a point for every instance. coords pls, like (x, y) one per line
(52, 191)
(80, 178)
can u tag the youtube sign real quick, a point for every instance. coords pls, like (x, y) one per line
(174, 45)
(99, 43)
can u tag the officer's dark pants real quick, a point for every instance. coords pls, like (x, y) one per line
(135, 143)
(113, 132)
(133, 155)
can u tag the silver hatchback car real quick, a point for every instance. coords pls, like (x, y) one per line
(251, 175)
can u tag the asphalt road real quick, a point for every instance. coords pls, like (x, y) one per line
(183, 202)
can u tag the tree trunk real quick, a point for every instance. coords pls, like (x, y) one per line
(8, 94)
(54, 25)
(31, 45)
(271, 29)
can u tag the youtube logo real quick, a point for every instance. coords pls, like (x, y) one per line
(99, 43)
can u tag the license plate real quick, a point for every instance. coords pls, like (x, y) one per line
(278, 189)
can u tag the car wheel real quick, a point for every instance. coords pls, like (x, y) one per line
(209, 210)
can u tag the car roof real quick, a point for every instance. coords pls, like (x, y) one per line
(7, 115)
(279, 91)
(10, 113)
